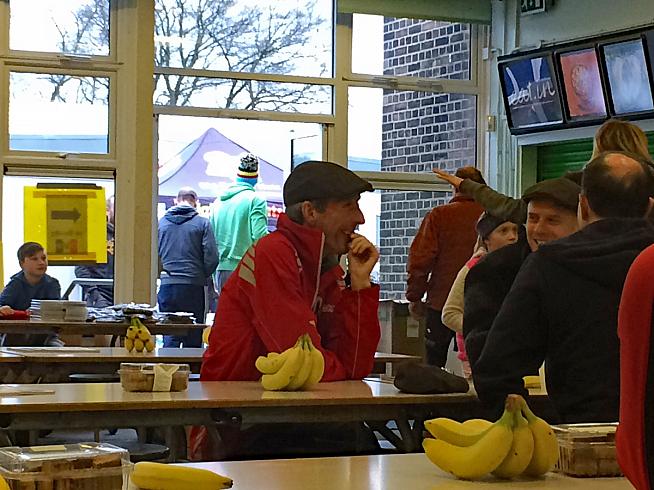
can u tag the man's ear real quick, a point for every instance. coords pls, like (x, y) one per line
(650, 207)
(309, 213)
(583, 211)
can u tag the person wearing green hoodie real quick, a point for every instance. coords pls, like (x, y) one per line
(238, 218)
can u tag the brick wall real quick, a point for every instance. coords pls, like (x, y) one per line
(421, 131)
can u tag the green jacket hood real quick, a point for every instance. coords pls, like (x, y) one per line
(234, 189)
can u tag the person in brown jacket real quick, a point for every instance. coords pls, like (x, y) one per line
(444, 242)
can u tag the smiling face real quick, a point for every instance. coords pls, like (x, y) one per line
(547, 222)
(505, 234)
(338, 221)
(35, 265)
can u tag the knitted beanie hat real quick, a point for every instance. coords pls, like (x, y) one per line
(487, 224)
(248, 169)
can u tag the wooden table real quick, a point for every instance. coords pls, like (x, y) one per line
(91, 328)
(381, 472)
(54, 364)
(101, 405)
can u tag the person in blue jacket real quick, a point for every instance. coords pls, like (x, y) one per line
(30, 283)
(188, 256)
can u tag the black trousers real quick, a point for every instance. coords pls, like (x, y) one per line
(437, 339)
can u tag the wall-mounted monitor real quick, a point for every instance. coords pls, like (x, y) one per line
(627, 74)
(531, 94)
(583, 96)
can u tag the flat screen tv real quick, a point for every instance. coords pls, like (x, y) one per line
(583, 96)
(531, 94)
(627, 75)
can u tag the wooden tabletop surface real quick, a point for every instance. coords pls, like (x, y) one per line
(381, 472)
(120, 354)
(70, 397)
(81, 328)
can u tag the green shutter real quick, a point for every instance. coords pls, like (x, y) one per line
(555, 159)
(466, 11)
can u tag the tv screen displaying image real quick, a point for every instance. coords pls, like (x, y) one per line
(626, 69)
(582, 84)
(530, 91)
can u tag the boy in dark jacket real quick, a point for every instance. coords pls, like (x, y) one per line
(563, 305)
(30, 283)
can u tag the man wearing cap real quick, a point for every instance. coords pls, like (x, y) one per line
(290, 283)
(443, 243)
(188, 256)
(238, 218)
(563, 305)
(551, 214)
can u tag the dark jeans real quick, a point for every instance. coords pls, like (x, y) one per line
(437, 339)
(183, 297)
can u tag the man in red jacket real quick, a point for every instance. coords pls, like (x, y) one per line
(290, 283)
(444, 242)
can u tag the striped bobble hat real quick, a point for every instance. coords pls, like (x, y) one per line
(248, 169)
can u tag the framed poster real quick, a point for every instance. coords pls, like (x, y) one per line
(530, 91)
(628, 78)
(583, 95)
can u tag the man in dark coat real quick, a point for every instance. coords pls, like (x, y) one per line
(563, 305)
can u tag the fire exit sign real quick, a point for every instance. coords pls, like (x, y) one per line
(532, 6)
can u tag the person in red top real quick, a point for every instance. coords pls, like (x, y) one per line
(442, 246)
(290, 283)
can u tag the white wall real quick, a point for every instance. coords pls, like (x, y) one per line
(566, 20)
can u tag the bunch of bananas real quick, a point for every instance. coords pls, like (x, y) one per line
(138, 337)
(297, 368)
(158, 476)
(518, 443)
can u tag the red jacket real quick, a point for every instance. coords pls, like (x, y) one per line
(444, 243)
(276, 294)
(635, 437)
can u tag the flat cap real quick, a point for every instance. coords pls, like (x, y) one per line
(561, 191)
(322, 180)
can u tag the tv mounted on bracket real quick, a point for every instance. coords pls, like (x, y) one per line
(628, 77)
(581, 84)
(531, 93)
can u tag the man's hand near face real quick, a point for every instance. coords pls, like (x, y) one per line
(361, 259)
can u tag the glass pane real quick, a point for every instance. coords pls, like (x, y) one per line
(204, 153)
(292, 37)
(250, 95)
(404, 131)
(392, 220)
(13, 224)
(62, 26)
(55, 112)
(410, 47)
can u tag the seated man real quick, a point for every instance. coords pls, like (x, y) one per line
(290, 283)
(551, 214)
(30, 283)
(563, 306)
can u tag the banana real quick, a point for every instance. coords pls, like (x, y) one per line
(273, 362)
(158, 476)
(546, 446)
(289, 370)
(139, 345)
(129, 344)
(205, 335)
(131, 332)
(317, 366)
(299, 381)
(457, 433)
(476, 460)
(149, 345)
(521, 450)
(143, 333)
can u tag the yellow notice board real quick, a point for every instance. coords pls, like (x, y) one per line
(70, 222)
